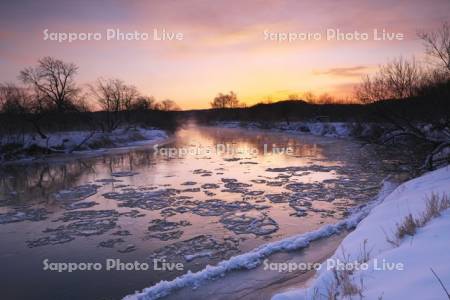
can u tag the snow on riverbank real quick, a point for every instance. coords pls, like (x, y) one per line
(416, 255)
(255, 257)
(330, 129)
(24, 146)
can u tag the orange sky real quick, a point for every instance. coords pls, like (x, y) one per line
(224, 46)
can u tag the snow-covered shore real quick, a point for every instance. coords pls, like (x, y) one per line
(329, 129)
(30, 146)
(376, 223)
(413, 256)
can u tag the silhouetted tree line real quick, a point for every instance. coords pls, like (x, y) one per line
(49, 99)
(425, 87)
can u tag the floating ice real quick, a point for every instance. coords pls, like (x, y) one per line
(248, 163)
(191, 190)
(87, 223)
(128, 248)
(253, 258)
(209, 193)
(202, 172)
(77, 193)
(78, 205)
(124, 174)
(134, 213)
(87, 215)
(187, 249)
(231, 159)
(151, 200)
(108, 180)
(207, 186)
(55, 238)
(254, 193)
(242, 223)
(164, 225)
(227, 180)
(166, 230)
(171, 211)
(258, 181)
(167, 235)
(111, 243)
(217, 207)
(278, 198)
(89, 227)
(197, 255)
(313, 168)
(19, 215)
(121, 233)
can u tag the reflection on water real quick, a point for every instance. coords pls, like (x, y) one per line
(196, 207)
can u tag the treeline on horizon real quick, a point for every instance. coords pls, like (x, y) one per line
(49, 99)
(401, 88)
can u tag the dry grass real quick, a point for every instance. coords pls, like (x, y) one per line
(347, 286)
(364, 253)
(434, 206)
(408, 226)
(343, 285)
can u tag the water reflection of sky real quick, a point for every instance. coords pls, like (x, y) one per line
(328, 176)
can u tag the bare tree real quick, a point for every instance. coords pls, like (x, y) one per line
(398, 79)
(404, 79)
(129, 94)
(143, 103)
(309, 97)
(294, 96)
(437, 45)
(168, 105)
(225, 101)
(14, 99)
(114, 96)
(20, 101)
(53, 80)
(325, 99)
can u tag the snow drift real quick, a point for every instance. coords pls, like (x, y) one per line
(428, 248)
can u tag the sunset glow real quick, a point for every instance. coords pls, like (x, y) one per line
(223, 46)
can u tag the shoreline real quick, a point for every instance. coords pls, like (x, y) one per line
(90, 153)
(259, 283)
(406, 261)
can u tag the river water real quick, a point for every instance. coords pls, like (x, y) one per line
(208, 194)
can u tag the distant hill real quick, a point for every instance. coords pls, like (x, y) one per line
(299, 110)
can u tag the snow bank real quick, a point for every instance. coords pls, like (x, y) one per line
(253, 258)
(330, 129)
(428, 248)
(84, 140)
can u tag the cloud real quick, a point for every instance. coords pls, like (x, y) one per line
(356, 71)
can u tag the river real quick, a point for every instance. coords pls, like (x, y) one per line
(208, 194)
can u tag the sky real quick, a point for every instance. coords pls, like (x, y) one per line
(225, 45)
